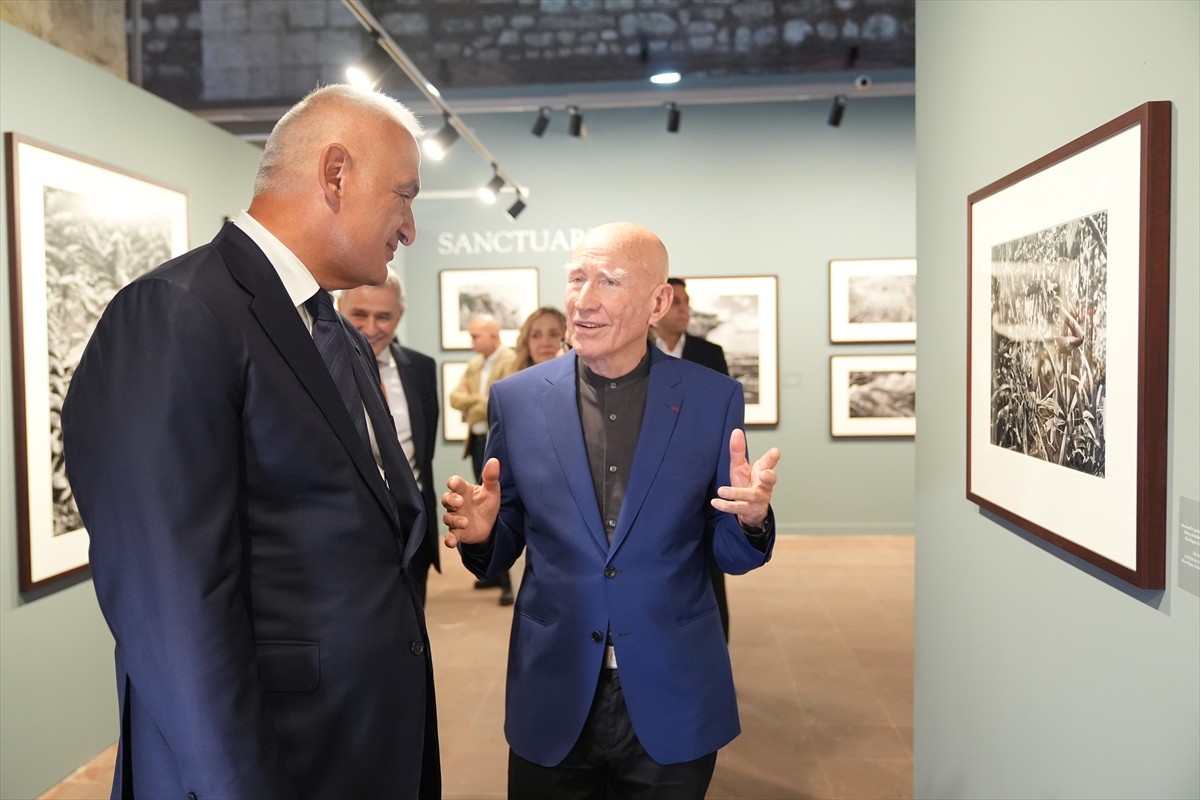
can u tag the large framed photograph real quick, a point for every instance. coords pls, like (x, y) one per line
(1067, 345)
(509, 295)
(454, 427)
(873, 300)
(873, 396)
(742, 315)
(78, 231)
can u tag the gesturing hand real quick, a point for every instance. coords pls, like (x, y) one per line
(471, 509)
(750, 485)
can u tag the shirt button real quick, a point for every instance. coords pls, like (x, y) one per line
(597, 636)
(610, 572)
(612, 468)
(612, 385)
(612, 523)
(417, 647)
(612, 417)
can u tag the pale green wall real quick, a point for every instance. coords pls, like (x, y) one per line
(57, 690)
(1036, 677)
(742, 189)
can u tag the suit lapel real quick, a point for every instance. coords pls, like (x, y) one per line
(412, 397)
(274, 311)
(664, 402)
(561, 408)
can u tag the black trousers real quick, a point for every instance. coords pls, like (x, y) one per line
(608, 762)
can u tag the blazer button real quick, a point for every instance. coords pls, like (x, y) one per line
(597, 636)
(417, 647)
(610, 572)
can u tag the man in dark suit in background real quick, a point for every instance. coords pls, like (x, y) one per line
(409, 381)
(252, 516)
(673, 339)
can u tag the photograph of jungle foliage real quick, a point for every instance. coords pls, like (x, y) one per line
(1049, 325)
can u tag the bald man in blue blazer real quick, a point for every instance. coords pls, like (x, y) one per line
(618, 471)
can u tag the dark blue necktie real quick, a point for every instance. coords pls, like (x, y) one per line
(330, 339)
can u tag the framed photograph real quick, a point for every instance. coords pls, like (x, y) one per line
(742, 315)
(509, 295)
(873, 300)
(873, 396)
(78, 231)
(1069, 272)
(454, 428)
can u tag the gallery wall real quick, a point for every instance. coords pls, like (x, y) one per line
(57, 689)
(1036, 674)
(740, 190)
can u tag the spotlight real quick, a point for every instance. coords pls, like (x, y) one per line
(664, 78)
(357, 76)
(575, 127)
(488, 193)
(836, 110)
(543, 119)
(515, 209)
(436, 146)
(672, 118)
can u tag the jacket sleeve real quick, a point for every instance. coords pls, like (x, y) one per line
(152, 429)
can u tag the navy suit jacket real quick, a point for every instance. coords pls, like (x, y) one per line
(418, 375)
(268, 643)
(651, 586)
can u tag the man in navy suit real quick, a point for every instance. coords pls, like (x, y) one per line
(252, 516)
(672, 338)
(619, 471)
(409, 381)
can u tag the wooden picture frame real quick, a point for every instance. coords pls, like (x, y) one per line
(508, 294)
(742, 315)
(78, 231)
(1068, 336)
(454, 428)
(873, 300)
(873, 395)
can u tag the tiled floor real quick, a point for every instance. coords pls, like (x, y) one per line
(821, 643)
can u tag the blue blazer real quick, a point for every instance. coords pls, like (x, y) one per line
(651, 586)
(268, 643)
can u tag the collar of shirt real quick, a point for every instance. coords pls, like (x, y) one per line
(298, 282)
(384, 359)
(600, 382)
(677, 350)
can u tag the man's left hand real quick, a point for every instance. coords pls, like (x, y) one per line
(748, 494)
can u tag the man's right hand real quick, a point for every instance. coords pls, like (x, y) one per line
(471, 509)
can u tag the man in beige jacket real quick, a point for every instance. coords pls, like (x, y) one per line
(471, 396)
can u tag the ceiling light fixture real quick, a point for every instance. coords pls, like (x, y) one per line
(575, 126)
(673, 115)
(515, 209)
(454, 127)
(488, 193)
(665, 78)
(436, 146)
(837, 110)
(543, 119)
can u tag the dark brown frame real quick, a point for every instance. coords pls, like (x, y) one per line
(43, 558)
(1147, 424)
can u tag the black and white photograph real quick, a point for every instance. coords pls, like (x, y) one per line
(741, 315)
(1067, 330)
(83, 231)
(508, 294)
(454, 427)
(873, 300)
(1050, 325)
(873, 395)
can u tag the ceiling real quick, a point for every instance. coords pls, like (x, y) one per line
(241, 63)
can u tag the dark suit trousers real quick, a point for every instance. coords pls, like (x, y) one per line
(608, 762)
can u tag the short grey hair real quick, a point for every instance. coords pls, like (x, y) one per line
(297, 131)
(392, 280)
